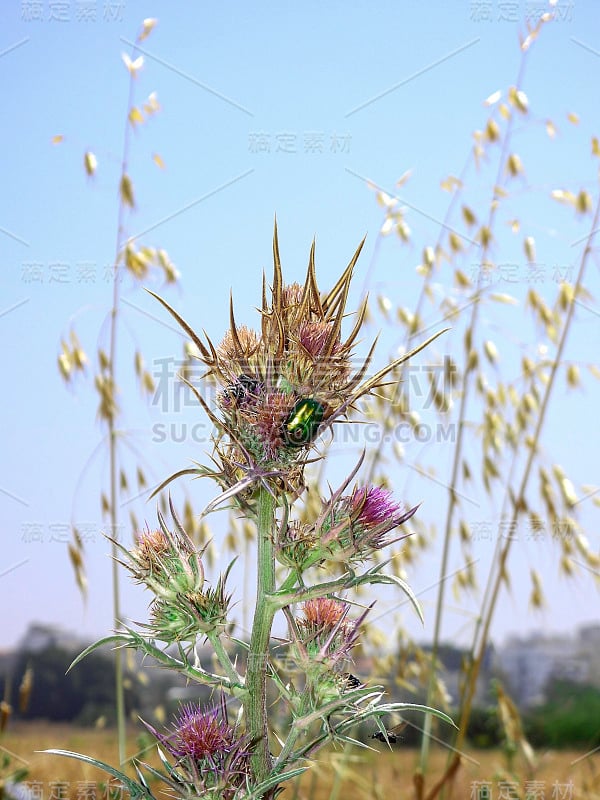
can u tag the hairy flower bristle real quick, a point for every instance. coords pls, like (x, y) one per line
(313, 336)
(267, 421)
(374, 505)
(201, 733)
(323, 613)
(239, 348)
(292, 295)
(150, 546)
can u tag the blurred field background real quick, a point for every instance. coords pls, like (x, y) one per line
(360, 775)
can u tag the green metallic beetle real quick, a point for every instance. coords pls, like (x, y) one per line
(303, 422)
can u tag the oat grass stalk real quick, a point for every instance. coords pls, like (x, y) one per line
(73, 360)
(122, 263)
(112, 431)
(467, 381)
(497, 575)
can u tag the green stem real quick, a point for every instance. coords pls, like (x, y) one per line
(290, 582)
(264, 611)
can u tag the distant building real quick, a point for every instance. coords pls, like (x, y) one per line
(588, 650)
(453, 676)
(528, 663)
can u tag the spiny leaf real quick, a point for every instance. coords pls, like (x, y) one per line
(135, 790)
(174, 476)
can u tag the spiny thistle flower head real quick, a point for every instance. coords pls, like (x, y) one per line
(281, 385)
(297, 546)
(348, 529)
(324, 633)
(322, 638)
(212, 759)
(166, 561)
(373, 514)
(169, 622)
(200, 734)
(322, 614)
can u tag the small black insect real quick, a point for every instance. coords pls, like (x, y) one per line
(352, 682)
(243, 389)
(392, 734)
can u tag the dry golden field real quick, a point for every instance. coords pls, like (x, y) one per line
(560, 775)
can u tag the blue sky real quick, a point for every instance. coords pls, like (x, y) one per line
(266, 108)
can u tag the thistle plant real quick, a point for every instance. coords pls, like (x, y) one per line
(280, 389)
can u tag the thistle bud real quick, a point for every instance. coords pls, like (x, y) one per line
(166, 561)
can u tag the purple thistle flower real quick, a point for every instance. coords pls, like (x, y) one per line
(348, 529)
(210, 754)
(200, 734)
(374, 506)
(353, 526)
(313, 336)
